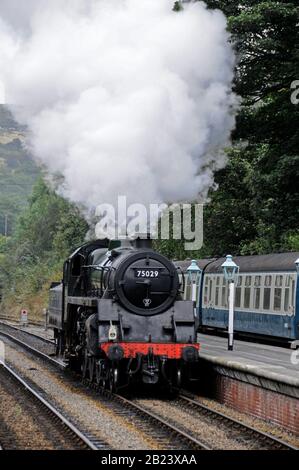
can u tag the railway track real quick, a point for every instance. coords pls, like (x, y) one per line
(84, 440)
(36, 352)
(266, 440)
(28, 333)
(167, 434)
(127, 407)
(15, 320)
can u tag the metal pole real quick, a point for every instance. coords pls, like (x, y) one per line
(194, 297)
(231, 316)
(194, 291)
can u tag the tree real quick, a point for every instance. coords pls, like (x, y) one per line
(265, 36)
(45, 234)
(177, 6)
(50, 224)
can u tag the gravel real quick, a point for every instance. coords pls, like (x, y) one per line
(264, 426)
(213, 435)
(121, 432)
(33, 341)
(23, 424)
(91, 415)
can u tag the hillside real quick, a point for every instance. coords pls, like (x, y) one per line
(18, 171)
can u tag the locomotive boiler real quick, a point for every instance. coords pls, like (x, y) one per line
(118, 316)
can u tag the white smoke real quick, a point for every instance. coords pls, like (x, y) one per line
(121, 96)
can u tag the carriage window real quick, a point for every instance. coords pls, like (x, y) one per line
(278, 292)
(257, 281)
(267, 292)
(206, 295)
(257, 292)
(247, 291)
(268, 281)
(217, 280)
(286, 299)
(288, 280)
(238, 292)
(278, 281)
(256, 297)
(238, 297)
(216, 295)
(247, 297)
(277, 298)
(224, 297)
(210, 292)
(293, 293)
(206, 291)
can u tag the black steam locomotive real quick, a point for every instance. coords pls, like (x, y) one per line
(118, 316)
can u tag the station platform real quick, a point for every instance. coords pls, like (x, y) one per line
(272, 362)
(257, 379)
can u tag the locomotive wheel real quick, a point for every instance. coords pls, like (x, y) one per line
(113, 380)
(98, 373)
(85, 365)
(91, 368)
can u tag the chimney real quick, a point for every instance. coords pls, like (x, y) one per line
(144, 241)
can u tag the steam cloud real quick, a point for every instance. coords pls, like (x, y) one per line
(121, 96)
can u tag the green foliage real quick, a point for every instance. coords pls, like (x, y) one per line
(45, 233)
(49, 225)
(7, 121)
(256, 206)
(228, 218)
(42, 226)
(18, 172)
(177, 6)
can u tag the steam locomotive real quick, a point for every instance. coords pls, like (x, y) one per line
(119, 317)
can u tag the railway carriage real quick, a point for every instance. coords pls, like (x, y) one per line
(266, 296)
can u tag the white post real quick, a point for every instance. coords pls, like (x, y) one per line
(194, 296)
(231, 301)
(194, 291)
(24, 317)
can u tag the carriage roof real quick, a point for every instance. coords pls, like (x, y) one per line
(257, 263)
